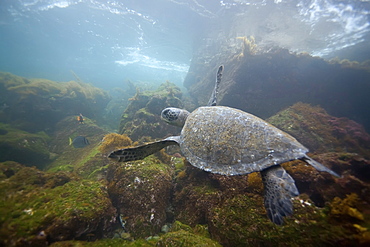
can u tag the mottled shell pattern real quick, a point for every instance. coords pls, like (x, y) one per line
(229, 141)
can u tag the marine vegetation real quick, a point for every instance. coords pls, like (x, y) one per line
(141, 117)
(27, 148)
(38, 104)
(141, 192)
(183, 235)
(114, 141)
(178, 235)
(342, 209)
(238, 222)
(117, 105)
(83, 161)
(321, 132)
(232, 208)
(249, 47)
(38, 207)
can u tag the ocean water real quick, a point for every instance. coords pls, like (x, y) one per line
(108, 42)
(57, 183)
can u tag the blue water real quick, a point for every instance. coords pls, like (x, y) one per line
(108, 42)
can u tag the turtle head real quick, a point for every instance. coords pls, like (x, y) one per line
(175, 116)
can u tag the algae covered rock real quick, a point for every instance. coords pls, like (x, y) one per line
(82, 161)
(27, 148)
(38, 104)
(240, 221)
(265, 82)
(340, 143)
(142, 116)
(321, 132)
(113, 141)
(179, 235)
(141, 193)
(232, 207)
(104, 243)
(321, 188)
(196, 193)
(185, 238)
(38, 208)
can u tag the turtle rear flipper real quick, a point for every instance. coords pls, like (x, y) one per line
(318, 166)
(140, 152)
(279, 189)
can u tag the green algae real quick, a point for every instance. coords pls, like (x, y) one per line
(186, 239)
(142, 116)
(41, 103)
(342, 209)
(140, 191)
(113, 141)
(82, 161)
(201, 230)
(104, 243)
(180, 235)
(193, 201)
(241, 221)
(33, 202)
(21, 146)
(320, 132)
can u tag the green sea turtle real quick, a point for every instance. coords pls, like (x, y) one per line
(228, 141)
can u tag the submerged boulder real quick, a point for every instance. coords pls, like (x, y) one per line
(321, 132)
(27, 148)
(83, 161)
(38, 208)
(142, 116)
(38, 104)
(141, 193)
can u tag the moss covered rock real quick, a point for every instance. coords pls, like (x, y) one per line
(38, 104)
(142, 116)
(185, 238)
(105, 243)
(322, 187)
(180, 235)
(83, 161)
(38, 207)
(320, 132)
(141, 192)
(196, 193)
(241, 221)
(27, 148)
(232, 206)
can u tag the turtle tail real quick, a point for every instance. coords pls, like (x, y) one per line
(279, 189)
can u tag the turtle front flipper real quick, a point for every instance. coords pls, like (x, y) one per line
(279, 189)
(213, 100)
(140, 152)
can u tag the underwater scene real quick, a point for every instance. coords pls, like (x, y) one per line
(184, 123)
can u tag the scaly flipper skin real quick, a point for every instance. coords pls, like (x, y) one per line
(213, 100)
(140, 152)
(279, 189)
(318, 166)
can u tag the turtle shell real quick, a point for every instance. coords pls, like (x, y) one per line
(228, 141)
